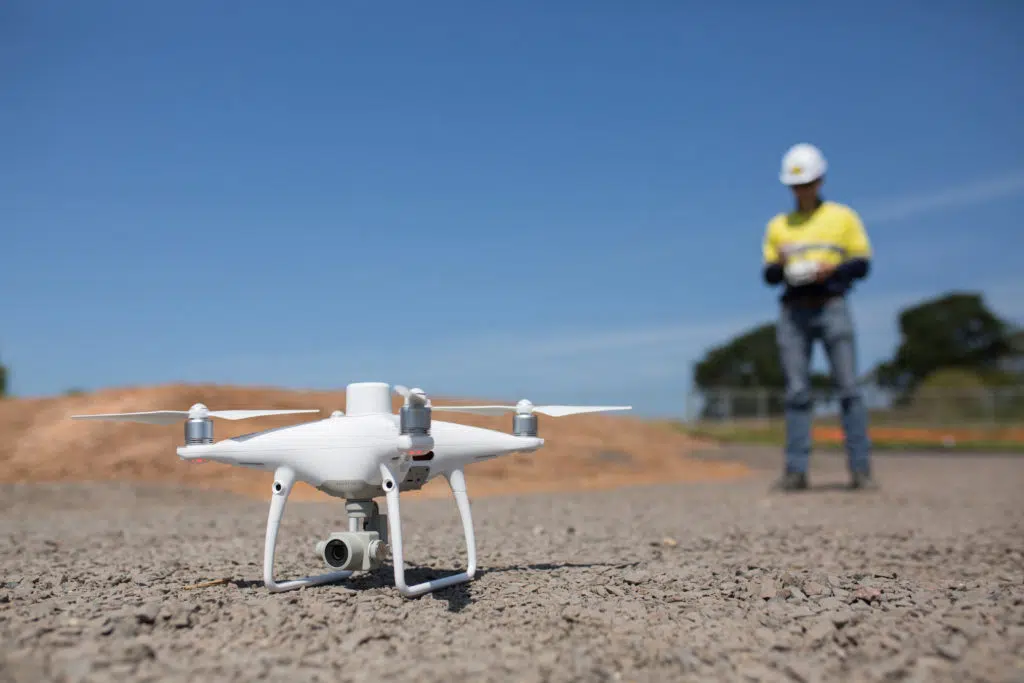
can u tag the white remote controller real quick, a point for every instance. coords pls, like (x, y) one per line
(800, 272)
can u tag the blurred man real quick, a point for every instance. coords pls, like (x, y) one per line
(817, 250)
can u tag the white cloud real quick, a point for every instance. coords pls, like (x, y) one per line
(872, 313)
(980, 192)
(569, 343)
(577, 361)
(512, 353)
(641, 365)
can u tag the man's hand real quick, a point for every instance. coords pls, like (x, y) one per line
(824, 271)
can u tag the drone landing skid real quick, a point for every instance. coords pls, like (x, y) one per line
(457, 482)
(284, 480)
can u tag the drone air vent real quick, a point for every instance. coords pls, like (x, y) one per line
(198, 430)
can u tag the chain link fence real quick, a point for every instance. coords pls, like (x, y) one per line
(972, 407)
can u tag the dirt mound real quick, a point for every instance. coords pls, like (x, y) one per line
(39, 443)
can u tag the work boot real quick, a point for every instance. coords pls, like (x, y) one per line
(863, 481)
(791, 481)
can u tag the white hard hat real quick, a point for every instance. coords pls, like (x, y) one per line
(802, 163)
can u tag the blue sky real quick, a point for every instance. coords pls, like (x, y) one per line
(563, 201)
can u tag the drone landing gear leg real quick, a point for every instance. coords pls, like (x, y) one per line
(284, 479)
(457, 481)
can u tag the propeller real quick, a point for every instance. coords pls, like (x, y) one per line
(412, 396)
(198, 411)
(525, 407)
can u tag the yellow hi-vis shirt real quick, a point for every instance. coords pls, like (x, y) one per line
(832, 234)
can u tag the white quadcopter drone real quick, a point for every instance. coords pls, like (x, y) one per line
(358, 456)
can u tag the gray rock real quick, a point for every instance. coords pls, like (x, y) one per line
(819, 631)
(768, 588)
(147, 614)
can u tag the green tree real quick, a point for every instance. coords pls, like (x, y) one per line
(950, 394)
(956, 330)
(1012, 365)
(3, 380)
(749, 361)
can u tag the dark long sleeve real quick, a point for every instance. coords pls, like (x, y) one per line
(854, 269)
(773, 273)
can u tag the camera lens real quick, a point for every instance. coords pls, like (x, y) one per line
(336, 553)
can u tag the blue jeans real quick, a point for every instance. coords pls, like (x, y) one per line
(797, 330)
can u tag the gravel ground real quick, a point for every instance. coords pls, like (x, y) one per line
(921, 581)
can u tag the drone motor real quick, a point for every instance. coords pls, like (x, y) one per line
(524, 424)
(198, 430)
(414, 420)
(414, 424)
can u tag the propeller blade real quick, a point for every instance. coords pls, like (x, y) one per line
(477, 410)
(559, 411)
(246, 414)
(155, 417)
(553, 411)
(415, 395)
(166, 417)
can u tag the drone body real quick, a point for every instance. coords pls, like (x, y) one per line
(359, 455)
(341, 454)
